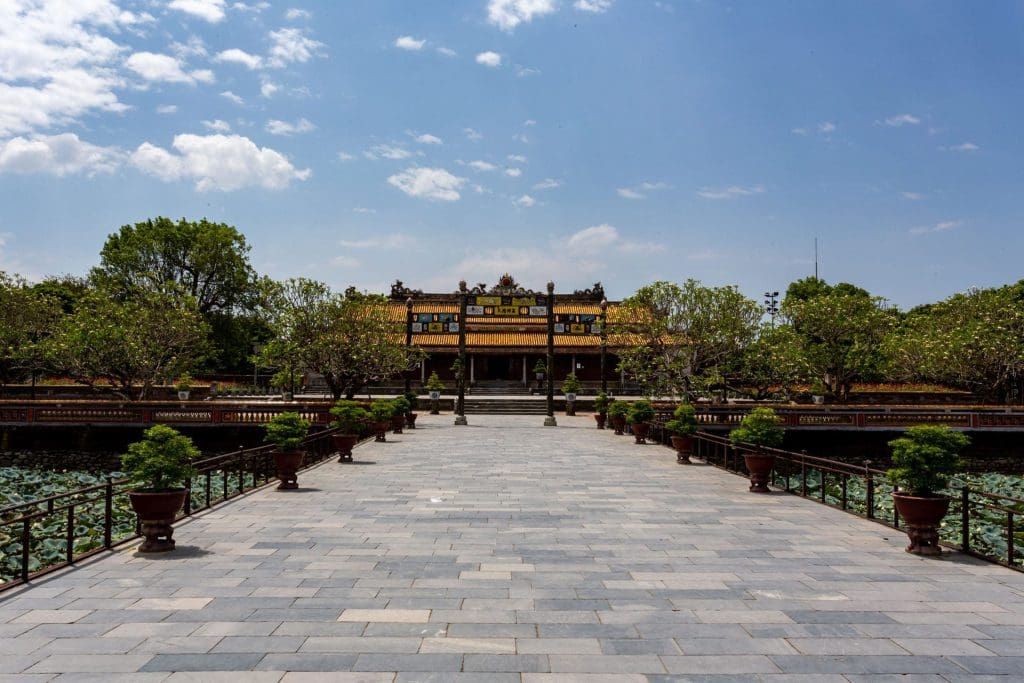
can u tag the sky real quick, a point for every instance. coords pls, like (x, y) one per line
(623, 141)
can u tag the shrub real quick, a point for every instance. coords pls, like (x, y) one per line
(925, 457)
(640, 411)
(434, 383)
(161, 461)
(399, 406)
(540, 368)
(570, 385)
(601, 403)
(684, 422)
(349, 416)
(381, 411)
(618, 408)
(184, 383)
(286, 431)
(760, 427)
(412, 397)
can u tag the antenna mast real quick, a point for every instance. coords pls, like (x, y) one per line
(815, 258)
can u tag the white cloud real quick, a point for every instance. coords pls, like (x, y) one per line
(826, 127)
(447, 52)
(637, 192)
(57, 155)
(490, 59)
(912, 196)
(254, 8)
(529, 122)
(193, 47)
(167, 109)
(513, 172)
(237, 56)
(387, 152)
(627, 193)
(218, 126)
(290, 45)
(799, 131)
(165, 69)
(393, 241)
(964, 147)
(294, 14)
(434, 184)
(900, 120)
(596, 6)
(428, 139)
(209, 10)
(278, 127)
(363, 209)
(345, 156)
(218, 162)
(732, 192)
(517, 158)
(593, 238)
(507, 14)
(938, 227)
(547, 184)
(483, 166)
(409, 43)
(472, 134)
(524, 71)
(268, 88)
(526, 201)
(232, 97)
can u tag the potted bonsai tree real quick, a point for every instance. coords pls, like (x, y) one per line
(380, 418)
(923, 460)
(760, 428)
(183, 386)
(435, 386)
(639, 418)
(601, 402)
(160, 468)
(682, 426)
(399, 407)
(617, 414)
(350, 419)
(818, 392)
(286, 431)
(410, 414)
(570, 387)
(539, 370)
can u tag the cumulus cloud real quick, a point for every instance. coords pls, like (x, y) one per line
(290, 45)
(277, 127)
(208, 10)
(294, 14)
(640, 191)
(218, 162)
(387, 152)
(409, 43)
(483, 166)
(517, 157)
(237, 56)
(58, 155)
(547, 184)
(151, 66)
(232, 97)
(513, 172)
(490, 59)
(167, 109)
(526, 201)
(944, 226)
(268, 88)
(627, 193)
(428, 139)
(964, 147)
(218, 126)
(593, 238)
(912, 196)
(731, 192)
(472, 134)
(596, 6)
(900, 120)
(435, 184)
(508, 14)
(393, 241)
(447, 51)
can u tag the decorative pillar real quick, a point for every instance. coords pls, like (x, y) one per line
(604, 344)
(408, 342)
(550, 421)
(460, 403)
(423, 372)
(525, 381)
(472, 370)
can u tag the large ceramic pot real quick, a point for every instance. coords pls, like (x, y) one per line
(397, 422)
(683, 443)
(922, 517)
(640, 431)
(344, 443)
(410, 420)
(183, 395)
(379, 429)
(759, 466)
(601, 419)
(570, 404)
(156, 511)
(619, 423)
(288, 464)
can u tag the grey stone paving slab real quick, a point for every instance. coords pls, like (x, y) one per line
(506, 551)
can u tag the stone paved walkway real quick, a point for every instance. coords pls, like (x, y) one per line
(508, 551)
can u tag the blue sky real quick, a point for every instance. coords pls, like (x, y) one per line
(623, 141)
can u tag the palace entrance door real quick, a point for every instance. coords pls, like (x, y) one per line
(499, 368)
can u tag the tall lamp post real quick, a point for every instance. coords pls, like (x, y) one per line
(408, 342)
(770, 305)
(460, 403)
(604, 344)
(550, 421)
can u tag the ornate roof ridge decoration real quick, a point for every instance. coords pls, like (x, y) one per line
(507, 286)
(400, 292)
(595, 293)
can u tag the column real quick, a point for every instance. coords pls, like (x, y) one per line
(472, 370)
(550, 421)
(526, 382)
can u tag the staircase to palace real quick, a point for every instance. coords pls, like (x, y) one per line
(505, 406)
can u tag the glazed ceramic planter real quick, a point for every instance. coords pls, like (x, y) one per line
(922, 516)
(157, 511)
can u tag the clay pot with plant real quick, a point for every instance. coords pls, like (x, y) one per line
(399, 407)
(350, 420)
(570, 387)
(410, 414)
(381, 413)
(601, 403)
(540, 369)
(435, 386)
(924, 459)
(761, 428)
(617, 411)
(639, 418)
(682, 427)
(287, 431)
(160, 466)
(183, 386)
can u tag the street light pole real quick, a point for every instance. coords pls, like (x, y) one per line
(408, 341)
(460, 404)
(550, 421)
(770, 304)
(604, 344)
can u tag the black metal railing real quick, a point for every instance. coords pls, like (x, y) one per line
(50, 533)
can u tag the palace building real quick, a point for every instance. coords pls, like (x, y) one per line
(506, 332)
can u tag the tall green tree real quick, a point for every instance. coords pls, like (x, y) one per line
(773, 362)
(27, 318)
(682, 334)
(351, 339)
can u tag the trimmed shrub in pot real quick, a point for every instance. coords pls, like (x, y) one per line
(617, 414)
(639, 418)
(350, 419)
(183, 386)
(380, 418)
(160, 466)
(399, 407)
(410, 415)
(435, 386)
(570, 387)
(286, 431)
(923, 460)
(601, 403)
(760, 428)
(682, 426)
